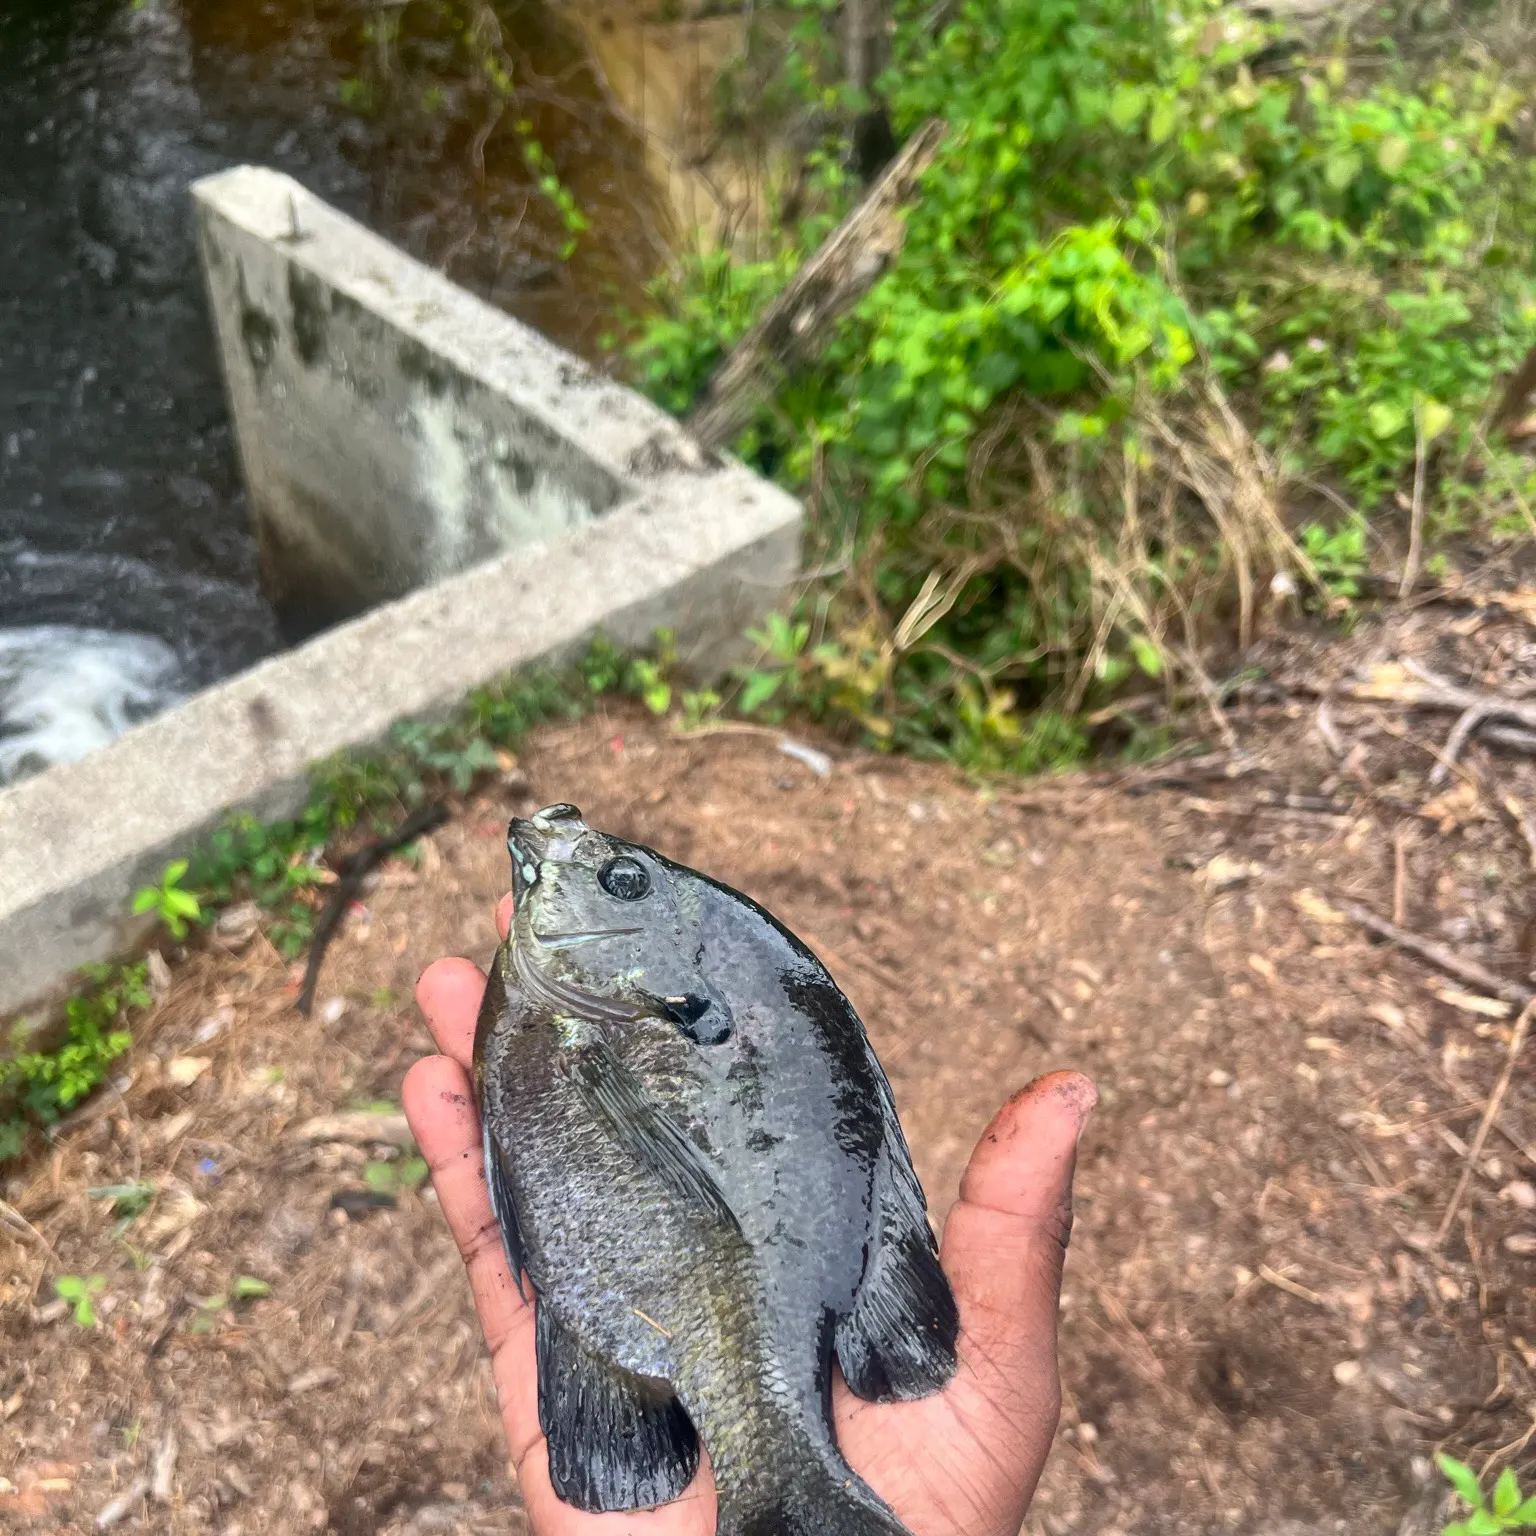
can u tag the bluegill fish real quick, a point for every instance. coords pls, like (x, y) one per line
(695, 1161)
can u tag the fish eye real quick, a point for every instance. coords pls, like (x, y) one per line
(625, 878)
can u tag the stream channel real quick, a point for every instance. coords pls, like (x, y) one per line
(127, 568)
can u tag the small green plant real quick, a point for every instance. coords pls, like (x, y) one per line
(697, 706)
(40, 1086)
(1337, 554)
(174, 906)
(129, 1202)
(392, 1177)
(1505, 1511)
(79, 1290)
(241, 1288)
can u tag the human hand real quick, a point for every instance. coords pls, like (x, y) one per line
(963, 1462)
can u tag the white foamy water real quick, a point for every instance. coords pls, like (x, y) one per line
(64, 691)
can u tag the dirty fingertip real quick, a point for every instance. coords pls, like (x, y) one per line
(504, 915)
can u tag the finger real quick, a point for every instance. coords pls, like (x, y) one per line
(1004, 1245)
(448, 993)
(439, 1104)
(504, 915)
(440, 1108)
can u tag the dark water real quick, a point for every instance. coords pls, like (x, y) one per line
(121, 509)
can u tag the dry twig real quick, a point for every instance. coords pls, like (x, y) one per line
(425, 819)
(1490, 1114)
(1416, 524)
(1438, 955)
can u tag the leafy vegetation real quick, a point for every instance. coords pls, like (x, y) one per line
(1504, 1511)
(40, 1086)
(1186, 302)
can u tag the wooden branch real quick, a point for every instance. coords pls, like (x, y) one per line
(1438, 955)
(1517, 394)
(797, 326)
(1414, 685)
(424, 819)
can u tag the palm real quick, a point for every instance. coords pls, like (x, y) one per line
(961, 1463)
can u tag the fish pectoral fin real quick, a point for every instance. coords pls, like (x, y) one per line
(616, 1440)
(897, 1341)
(499, 1188)
(647, 1132)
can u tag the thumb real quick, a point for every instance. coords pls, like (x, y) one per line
(1004, 1245)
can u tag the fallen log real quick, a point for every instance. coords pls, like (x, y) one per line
(798, 324)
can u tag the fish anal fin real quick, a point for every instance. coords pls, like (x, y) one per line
(616, 1440)
(897, 1341)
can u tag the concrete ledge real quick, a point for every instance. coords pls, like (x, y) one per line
(393, 428)
(704, 547)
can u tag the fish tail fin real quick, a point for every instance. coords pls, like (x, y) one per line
(825, 1497)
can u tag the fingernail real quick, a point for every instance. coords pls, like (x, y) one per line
(1083, 1097)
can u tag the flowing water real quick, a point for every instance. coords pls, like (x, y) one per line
(127, 569)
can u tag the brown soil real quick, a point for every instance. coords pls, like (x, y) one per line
(1259, 1330)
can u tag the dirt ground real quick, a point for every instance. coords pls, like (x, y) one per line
(1260, 1329)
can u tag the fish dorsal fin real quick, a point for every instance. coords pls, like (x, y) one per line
(646, 1131)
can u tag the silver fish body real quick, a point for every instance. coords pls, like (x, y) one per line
(695, 1159)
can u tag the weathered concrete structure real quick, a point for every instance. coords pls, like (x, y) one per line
(399, 437)
(393, 429)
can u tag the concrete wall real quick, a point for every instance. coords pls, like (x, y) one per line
(623, 527)
(393, 429)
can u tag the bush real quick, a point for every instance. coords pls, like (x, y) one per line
(1182, 303)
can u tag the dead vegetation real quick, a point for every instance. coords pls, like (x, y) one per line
(1307, 1206)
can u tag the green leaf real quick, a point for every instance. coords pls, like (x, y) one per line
(1147, 655)
(174, 871)
(1525, 1514)
(1163, 121)
(1461, 1477)
(757, 690)
(1434, 418)
(380, 1177)
(146, 898)
(248, 1287)
(1386, 419)
(79, 1289)
(1484, 1523)
(1126, 106)
(1340, 170)
(1392, 153)
(1506, 1493)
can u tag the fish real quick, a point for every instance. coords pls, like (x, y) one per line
(694, 1158)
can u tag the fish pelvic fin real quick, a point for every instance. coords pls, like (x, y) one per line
(499, 1187)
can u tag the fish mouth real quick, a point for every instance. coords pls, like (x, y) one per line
(550, 833)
